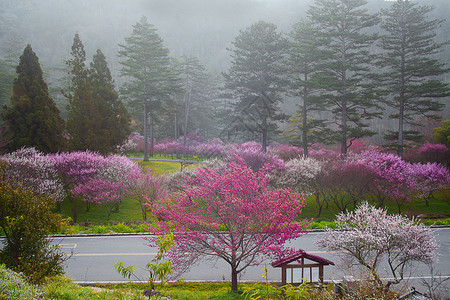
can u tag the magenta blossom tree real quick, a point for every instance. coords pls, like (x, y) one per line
(395, 178)
(109, 184)
(101, 191)
(430, 178)
(229, 213)
(147, 188)
(368, 237)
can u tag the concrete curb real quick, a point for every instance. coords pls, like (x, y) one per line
(147, 233)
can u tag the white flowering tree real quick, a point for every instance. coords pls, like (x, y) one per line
(35, 171)
(369, 237)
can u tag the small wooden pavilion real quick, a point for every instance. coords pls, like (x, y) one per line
(308, 267)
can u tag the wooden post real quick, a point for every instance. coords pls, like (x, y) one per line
(283, 275)
(321, 273)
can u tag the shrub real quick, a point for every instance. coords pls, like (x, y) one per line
(254, 157)
(26, 218)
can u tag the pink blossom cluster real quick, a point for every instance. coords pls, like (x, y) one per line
(95, 178)
(285, 152)
(213, 148)
(434, 153)
(254, 157)
(147, 188)
(369, 175)
(171, 147)
(229, 213)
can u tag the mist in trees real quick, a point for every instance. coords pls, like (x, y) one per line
(326, 83)
(256, 78)
(409, 49)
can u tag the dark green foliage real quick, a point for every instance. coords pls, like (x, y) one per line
(410, 80)
(114, 126)
(257, 78)
(26, 218)
(6, 82)
(83, 122)
(33, 120)
(304, 64)
(150, 79)
(345, 60)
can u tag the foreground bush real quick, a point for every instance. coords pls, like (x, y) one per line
(26, 218)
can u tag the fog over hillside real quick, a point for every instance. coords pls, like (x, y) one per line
(202, 28)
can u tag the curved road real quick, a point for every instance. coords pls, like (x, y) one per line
(93, 259)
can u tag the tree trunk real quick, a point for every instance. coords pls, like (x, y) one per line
(320, 205)
(187, 105)
(400, 128)
(344, 129)
(344, 104)
(264, 134)
(305, 128)
(144, 211)
(234, 283)
(145, 131)
(152, 139)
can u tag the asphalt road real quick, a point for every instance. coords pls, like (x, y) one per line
(93, 259)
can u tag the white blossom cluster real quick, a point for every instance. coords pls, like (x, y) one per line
(298, 174)
(119, 168)
(369, 236)
(34, 171)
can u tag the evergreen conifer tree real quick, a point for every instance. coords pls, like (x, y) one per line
(304, 64)
(150, 78)
(257, 77)
(33, 120)
(83, 123)
(344, 75)
(114, 127)
(411, 78)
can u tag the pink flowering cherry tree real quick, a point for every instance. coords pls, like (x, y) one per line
(430, 178)
(147, 188)
(369, 236)
(229, 213)
(110, 183)
(101, 191)
(395, 178)
(75, 168)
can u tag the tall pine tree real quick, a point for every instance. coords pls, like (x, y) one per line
(114, 127)
(257, 77)
(304, 64)
(83, 123)
(33, 120)
(346, 64)
(147, 69)
(411, 78)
